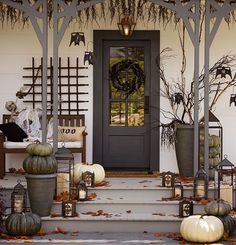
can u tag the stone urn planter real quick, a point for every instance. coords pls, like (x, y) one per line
(41, 168)
(184, 148)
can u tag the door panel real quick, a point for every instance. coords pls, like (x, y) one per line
(125, 108)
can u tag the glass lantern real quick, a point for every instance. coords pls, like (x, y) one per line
(200, 185)
(69, 208)
(65, 173)
(88, 178)
(215, 139)
(82, 191)
(224, 180)
(168, 179)
(18, 198)
(185, 208)
(178, 190)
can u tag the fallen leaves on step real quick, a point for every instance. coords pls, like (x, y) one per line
(98, 213)
(8, 238)
(42, 232)
(58, 230)
(103, 183)
(159, 214)
(55, 215)
(91, 196)
(144, 181)
(62, 197)
(173, 235)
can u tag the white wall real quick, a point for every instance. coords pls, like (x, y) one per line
(18, 46)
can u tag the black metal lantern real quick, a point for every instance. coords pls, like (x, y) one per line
(178, 190)
(88, 178)
(82, 191)
(215, 140)
(185, 208)
(223, 71)
(65, 173)
(225, 182)
(18, 198)
(77, 37)
(168, 179)
(126, 25)
(69, 208)
(200, 185)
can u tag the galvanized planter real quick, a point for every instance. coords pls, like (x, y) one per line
(184, 148)
(41, 189)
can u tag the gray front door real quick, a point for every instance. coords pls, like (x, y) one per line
(126, 93)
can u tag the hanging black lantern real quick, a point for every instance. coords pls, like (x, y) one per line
(215, 141)
(65, 173)
(69, 208)
(178, 190)
(126, 25)
(223, 71)
(18, 198)
(200, 185)
(225, 182)
(82, 191)
(88, 178)
(185, 208)
(168, 179)
(77, 37)
(232, 99)
(178, 98)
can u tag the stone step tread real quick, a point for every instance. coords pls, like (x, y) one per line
(117, 217)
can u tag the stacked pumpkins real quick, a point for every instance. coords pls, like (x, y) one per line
(221, 210)
(41, 168)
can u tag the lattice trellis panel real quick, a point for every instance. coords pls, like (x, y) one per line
(72, 86)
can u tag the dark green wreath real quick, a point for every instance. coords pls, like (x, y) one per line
(129, 86)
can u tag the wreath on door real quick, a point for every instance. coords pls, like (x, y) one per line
(128, 86)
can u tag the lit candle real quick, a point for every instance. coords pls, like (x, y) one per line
(200, 189)
(82, 194)
(177, 192)
(18, 203)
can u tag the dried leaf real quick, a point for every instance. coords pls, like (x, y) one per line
(128, 211)
(91, 196)
(103, 183)
(58, 230)
(54, 215)
(42, 232)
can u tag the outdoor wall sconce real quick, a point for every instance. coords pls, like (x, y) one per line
(89, 55)
(225, 182)
(18, 198)
(76, 38)
(178, 190)
(88, 178)
(65, 173)
(185, 208)
(82, 191)
(223, 71)
(69, 208)
(126, 25)
(168, 179)
(178, 97)
(200, 185)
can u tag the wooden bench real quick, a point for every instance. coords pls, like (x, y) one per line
(64, 120)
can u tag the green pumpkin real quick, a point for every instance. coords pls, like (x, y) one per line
(23, 224)
(39, 149)
(40, 165)
(217, 208)
(229, 223)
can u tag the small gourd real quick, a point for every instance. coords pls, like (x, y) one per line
(217, 208)
(23, 224)
(201, 228)
(97, 169)
(39, 149)
(40, 165)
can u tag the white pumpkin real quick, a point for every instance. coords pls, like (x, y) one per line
(198, 228)
(97, 169)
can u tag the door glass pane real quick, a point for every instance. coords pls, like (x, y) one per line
(117, 114)
(136, 114)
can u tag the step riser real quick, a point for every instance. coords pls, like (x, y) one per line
(113, 226)
(134, 208)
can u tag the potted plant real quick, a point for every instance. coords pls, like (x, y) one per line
(177, 130)
(40, 167)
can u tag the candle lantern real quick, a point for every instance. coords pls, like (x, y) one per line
(168, 179)
(200, 185)
(82, 191)
(178, 190)
(185, 208)
(69, 208)
(18, 198)
(88, 178)
(65, 173)
(225, 182)
(215, 139)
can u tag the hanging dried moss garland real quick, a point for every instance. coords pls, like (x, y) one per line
(130, 85)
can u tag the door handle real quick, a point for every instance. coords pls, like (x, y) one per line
(146, 105)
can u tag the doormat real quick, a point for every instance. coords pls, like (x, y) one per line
(134, 174)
